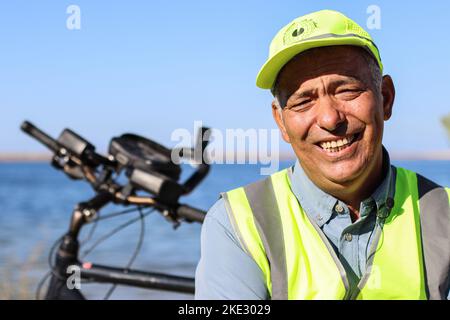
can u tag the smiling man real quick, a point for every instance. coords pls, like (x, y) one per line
(342, 223)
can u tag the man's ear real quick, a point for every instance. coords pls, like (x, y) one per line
(388, 93)
(276, 113)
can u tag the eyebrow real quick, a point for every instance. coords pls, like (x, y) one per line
(302, 94)
(348, 80)
(335, 84)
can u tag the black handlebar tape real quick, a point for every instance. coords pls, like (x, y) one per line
(191, 214)
(39, 135)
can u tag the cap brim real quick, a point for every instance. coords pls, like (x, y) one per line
(269, 71)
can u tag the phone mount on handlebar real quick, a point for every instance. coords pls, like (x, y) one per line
(148, 166)
(133, 151)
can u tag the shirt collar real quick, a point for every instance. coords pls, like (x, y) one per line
(387, 187)
(319, 205)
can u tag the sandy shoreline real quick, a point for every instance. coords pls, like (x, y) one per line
(25, 157)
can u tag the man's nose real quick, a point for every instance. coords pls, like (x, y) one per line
(329, 116)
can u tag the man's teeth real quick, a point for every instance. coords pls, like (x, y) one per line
(337, 145)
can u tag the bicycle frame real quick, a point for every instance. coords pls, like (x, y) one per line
(67, 259)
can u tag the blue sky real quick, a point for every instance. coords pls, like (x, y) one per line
(150, 67)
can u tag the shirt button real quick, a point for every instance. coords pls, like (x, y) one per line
(348, 237)
(339, 209)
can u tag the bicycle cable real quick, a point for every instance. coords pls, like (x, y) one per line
(49, 273)
(135, 253)
(58, 241)
(114, 231)
(104, 217)
(114, 214)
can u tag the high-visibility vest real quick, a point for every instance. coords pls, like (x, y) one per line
(409, 258)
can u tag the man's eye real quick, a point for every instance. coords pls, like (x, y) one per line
(300, 105)
(349, 92)
(304, 102)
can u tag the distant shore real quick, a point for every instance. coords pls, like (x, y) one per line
(284, 156)
(424, 155)
(24, 157)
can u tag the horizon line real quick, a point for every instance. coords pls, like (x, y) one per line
(283, 156)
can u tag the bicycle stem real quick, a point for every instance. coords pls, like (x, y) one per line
(83, 212)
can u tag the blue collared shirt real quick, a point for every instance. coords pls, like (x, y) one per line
(226, 271)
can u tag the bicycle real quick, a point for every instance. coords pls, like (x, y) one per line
(148, 168)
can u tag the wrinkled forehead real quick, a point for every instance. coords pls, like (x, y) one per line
(338, 61)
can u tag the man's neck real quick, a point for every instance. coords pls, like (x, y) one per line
(360, 190)
(355, 192)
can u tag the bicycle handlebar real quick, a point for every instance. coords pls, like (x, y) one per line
(90, 158)
(41, 136)
(191, 214)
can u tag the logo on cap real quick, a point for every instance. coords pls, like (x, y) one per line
(299, 31)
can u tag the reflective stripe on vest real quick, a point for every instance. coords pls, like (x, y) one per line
(299, 263)
(434, 220)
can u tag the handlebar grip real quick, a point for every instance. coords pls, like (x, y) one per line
(191, 214)
(39, 135)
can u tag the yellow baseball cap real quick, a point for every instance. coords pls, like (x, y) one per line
(317, 29)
